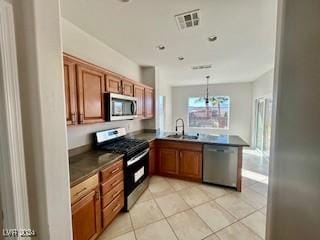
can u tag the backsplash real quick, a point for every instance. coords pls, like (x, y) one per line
(82, 134)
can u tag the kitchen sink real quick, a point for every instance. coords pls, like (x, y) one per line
(175, 136)
(179, 136)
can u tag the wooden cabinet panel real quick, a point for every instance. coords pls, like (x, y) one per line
(70, 91)
(86, 217)
(113, 84)
(127, 88)
(111, 211)
(111, 183)
(168, 161)
(152, 159)
(139, 94)
(149, 103)
(190, 164)
(109, 172)
(91, 86)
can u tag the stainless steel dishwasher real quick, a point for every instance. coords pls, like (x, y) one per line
(220, 165)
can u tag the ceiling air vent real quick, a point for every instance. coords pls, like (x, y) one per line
(188, 19)
(201, 67)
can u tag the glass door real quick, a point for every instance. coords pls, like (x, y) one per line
(260, 109)
(263, 125)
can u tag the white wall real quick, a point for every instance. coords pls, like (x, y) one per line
(38, 38)
(240, 113)
(293, 203)
(80, 44)
(165, 89)
(261, 87)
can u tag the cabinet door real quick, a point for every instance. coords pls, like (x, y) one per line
(86, 217)
(152, 161)
(168, 161)
(113, 84)
(149, 103)
(190, 164)
(70, 90)
(127, 88)
(91, 86)
(139, 94)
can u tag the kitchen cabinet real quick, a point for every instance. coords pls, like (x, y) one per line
(149, 103)
(180, 159)
(190, 164)
(119, 85)
(127, 88)
(139, 94)
(168, 161)
(86, 210)
(85, 85)
(113, 84)
(112, 188)
(91, 87)
(69, 68)
(152, 158)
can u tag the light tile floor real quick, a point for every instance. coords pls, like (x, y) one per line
(172, 209)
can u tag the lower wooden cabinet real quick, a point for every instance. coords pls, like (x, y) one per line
(152, 158)
(95, 205)
(168, 161)
(180, 159)
(190, 164)
(112, 187)
(86, 216)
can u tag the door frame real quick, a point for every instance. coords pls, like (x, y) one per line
(13, 185)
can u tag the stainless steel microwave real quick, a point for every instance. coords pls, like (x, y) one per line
(120, 107)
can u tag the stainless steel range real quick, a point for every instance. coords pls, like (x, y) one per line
(136, 161)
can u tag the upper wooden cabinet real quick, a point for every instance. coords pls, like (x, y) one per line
(91, 87)
(127, 88)
(149, 103)
(69, 68)
(113, 84)
(85, 85)
(139, 94)
(116, 84)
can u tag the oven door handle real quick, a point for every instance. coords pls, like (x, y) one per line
(138, 158)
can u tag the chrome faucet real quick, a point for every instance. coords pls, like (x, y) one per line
(180, 126)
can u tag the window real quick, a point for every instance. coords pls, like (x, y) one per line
(215, 114)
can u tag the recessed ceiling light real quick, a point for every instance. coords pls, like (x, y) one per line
(125, 1)
(212, 38)
(181, 58)
(161, 47)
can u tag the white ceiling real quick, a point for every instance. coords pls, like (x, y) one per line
(244, 50)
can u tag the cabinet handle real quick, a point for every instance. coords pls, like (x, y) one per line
(115, 183)
(115, 170)
(180, 154)
(114, 195)
(116, 208)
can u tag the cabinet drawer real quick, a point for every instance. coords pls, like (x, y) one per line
(84, 188)
(111, 171)
(111, 211)
(112, 194)
(111, 183)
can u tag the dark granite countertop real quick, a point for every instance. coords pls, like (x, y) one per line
(226, 140)
(89, 163)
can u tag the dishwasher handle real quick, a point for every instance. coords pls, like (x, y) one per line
(220, 150)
